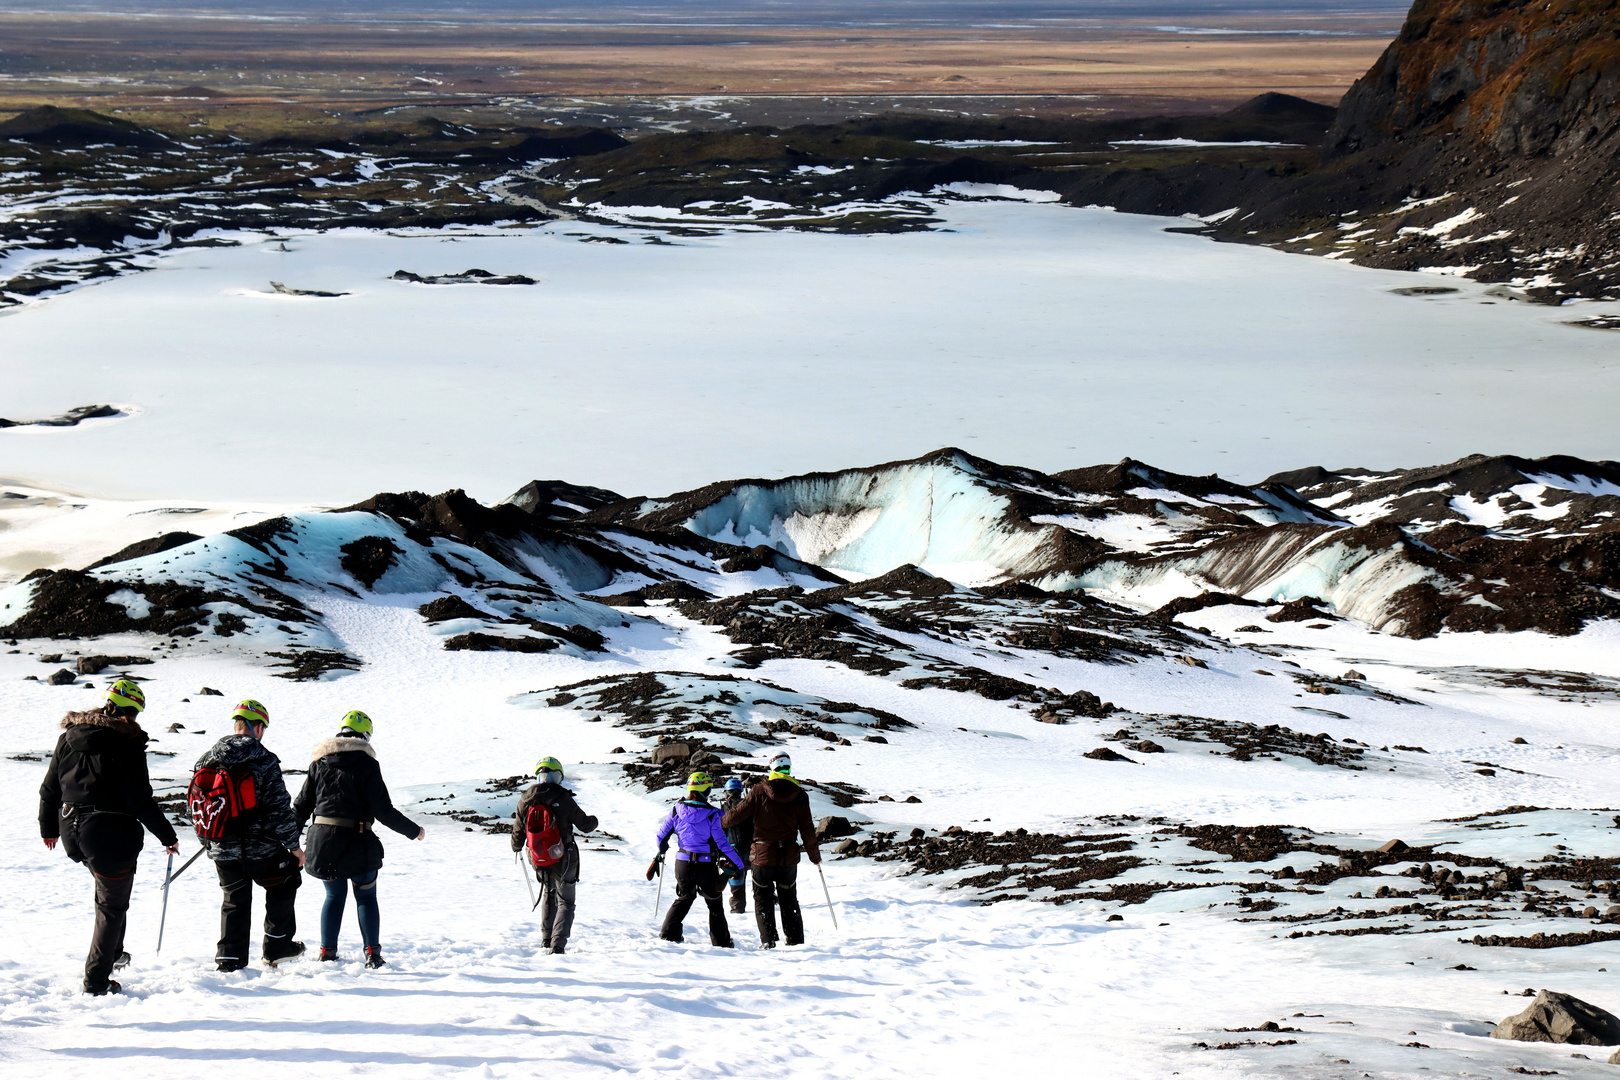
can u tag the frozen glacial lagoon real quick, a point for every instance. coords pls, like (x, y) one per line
(1034, 334)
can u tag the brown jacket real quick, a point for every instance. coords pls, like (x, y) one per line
(779, 809)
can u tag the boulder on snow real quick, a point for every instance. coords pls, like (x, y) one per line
(1102, 753)
(60, 677)
(1560, 1018)
(94, 665)
(450, 607)
(671, 751)
(1147, 746)
(1392, 847)
(832, 827)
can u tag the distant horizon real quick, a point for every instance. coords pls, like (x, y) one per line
(886, 11)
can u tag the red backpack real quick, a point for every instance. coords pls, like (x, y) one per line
(222, 802)
(545, 839)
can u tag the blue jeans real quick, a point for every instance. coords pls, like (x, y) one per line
(365, 907)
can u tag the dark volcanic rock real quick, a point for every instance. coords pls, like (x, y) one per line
(466, 277)
(480, 642)
(369, 558)
(94, 665)
(51, 125)
(446, 608)
(71, 418)
(559, 499)
(1560, 1018)
(142, 548)
(73, 604)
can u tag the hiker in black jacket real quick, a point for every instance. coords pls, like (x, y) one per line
(559, 880)
(259, 847)
(346, 794)
(95, 798)
(741, 836)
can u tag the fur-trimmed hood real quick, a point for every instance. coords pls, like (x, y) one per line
(337, 745)
(98, 718)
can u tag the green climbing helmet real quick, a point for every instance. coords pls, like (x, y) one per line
(251, 713)
(549, 764)
(698, 783)
(126, 695)
(357, 721)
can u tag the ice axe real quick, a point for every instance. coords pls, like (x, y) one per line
(169, 874)
(517, 857)
(828, 894)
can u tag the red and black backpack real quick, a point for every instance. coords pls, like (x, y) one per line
(546, 846)
(223, 802)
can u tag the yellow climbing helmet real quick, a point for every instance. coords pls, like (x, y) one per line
(699, 782)
(126, 695)
(357, 721)
(252, 713)
(549, 764)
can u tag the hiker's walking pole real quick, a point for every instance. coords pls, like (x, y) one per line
(517, 856)
(658, 897)
(168, 876)
(828, 894)
(183, 866)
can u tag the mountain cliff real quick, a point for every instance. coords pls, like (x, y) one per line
(1482, 143)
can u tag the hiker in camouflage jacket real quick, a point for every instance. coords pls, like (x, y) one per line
(267, 852)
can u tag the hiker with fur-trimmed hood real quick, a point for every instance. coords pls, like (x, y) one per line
(259, 846)
(557, 872)
(780, 811)
(96, 797)
(345, 794)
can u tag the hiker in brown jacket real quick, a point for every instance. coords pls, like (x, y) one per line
(780, 812)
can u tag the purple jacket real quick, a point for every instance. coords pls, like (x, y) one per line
(696, 826)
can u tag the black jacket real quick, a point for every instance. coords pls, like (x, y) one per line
(274, 829)
(100, 761)
(567, 814)
(740, 833)
(345, 781)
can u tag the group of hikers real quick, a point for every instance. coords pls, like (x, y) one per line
(97, 798)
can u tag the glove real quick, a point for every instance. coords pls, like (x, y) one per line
(655, 867)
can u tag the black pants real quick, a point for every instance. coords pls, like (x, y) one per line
(557, 903)
(692, 878)
(778, 886)
(108, 844)
(279, 877)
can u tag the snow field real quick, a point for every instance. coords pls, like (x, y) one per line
(1033, 333)
(916, 980)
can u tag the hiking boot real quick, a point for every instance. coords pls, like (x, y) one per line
(121, 962)
(230, 965)
(558, 949)
(769, 943)
(110, 987)
(283, 952)
(545, 944)
(374, 956)
(328, 954)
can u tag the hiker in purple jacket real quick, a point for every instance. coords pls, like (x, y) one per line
(701, 843)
